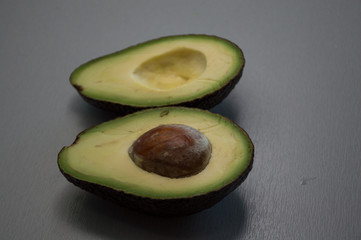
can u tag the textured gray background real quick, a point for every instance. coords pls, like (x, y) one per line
(299, 99)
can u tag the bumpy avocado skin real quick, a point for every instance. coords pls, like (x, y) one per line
(161, 207)
(206, 102)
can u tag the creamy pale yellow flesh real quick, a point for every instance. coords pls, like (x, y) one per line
(162, 72)
(172, 69)
(100, 155)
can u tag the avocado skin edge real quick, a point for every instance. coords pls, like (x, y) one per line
(161, 207)
(206, 102)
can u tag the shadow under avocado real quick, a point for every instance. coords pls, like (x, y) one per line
(225, 220)
(230, 108)
(88, 213)
(87, 114)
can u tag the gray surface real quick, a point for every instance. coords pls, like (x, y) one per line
(299, 99)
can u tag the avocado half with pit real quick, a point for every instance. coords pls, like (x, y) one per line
(165, 161)
(184, 70)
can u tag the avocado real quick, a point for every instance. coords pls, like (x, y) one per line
(183, 70)
(167, 161)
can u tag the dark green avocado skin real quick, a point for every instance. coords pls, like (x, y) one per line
(206, 102)
(161, 207)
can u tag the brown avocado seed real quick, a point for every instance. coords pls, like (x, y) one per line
(172, 150)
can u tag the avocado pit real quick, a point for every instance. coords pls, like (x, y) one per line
(172, 150)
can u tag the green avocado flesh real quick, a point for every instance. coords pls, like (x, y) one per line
(174, 70)
(98, 161)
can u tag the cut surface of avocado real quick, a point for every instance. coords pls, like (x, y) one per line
(100, 155)
(166, 71)
(172, 69)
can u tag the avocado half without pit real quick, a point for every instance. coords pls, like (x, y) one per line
(167, 161)
(184, 70)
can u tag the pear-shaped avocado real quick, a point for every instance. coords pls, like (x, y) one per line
(184, 70)
(163, 161)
